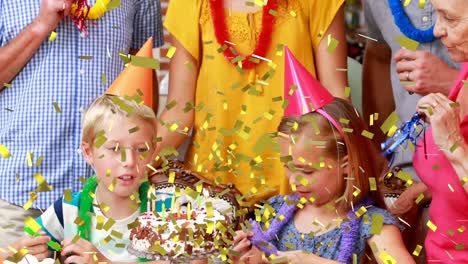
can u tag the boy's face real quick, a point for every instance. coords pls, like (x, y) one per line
(312, 170)
(121, 161)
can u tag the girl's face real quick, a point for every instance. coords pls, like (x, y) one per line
(312, 171)
(120, 163)
(452, 27)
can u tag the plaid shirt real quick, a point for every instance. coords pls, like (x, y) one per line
(59, 74)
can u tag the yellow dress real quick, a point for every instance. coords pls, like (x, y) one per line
(238, 111)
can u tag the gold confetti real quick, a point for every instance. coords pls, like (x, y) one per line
(67, 194)
(332, 43)
(417, 250)
(391, 120)
(292, 13)
(431, 226)
(386, 258)
(112, 185)
(53, 36)
(461, 229)
(347, 91)
(406, 3)
(361, 211)
(377, 224)
(419, 199)
(367, 134)
(133, 130)
(172, 175)
(57, 108)
(407, 43)
(4, 152)
(171, 52)
(84, 57)
(144, 62)
(372, 184)
(113, 4)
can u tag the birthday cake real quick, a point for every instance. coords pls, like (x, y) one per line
(179, 233)
(187, 217)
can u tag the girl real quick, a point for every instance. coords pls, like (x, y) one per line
(331, 173)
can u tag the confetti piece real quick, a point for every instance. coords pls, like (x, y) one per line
(133, 130)
(292, 13)
(431, 226)
(171, 104)
(29, 158)
(407, 43)
(171, 176)
(32, 224)
(377, 224)
(417, 250)
(57, 108)
(386, 258)
(347, 91)
(332, 43)
(372, 184)
(463, 180)
(113, 5)
(461, 229)
(391, 120)
(454, 105)
(451, 188)
(109, 224)
(53, 36)
(260, 3)
(171, 52)
(454, 147)
(4, 152)
(361, 211)
(460, 247)
(104, 79)
(144, 62)
(84, 57)
(67, 194)
(112, 185)
(422, 3)
(406, 3)
(367, 134)
(419, 199)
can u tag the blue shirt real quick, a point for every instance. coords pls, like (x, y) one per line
(58, 74)
(326, 245)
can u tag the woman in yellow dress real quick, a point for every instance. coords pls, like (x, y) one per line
(226, 80)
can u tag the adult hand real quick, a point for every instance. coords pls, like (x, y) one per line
(36, 246)
(406, 201)
(81, 252)
(427, 72)
(51, 12)
(444, 117)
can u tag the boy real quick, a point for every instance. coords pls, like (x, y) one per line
(118, 138)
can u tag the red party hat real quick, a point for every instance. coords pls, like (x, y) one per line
(303, 92)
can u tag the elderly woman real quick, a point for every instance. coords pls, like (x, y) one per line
(441, 158)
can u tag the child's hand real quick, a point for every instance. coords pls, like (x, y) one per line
(241, 244)
(36, 246)
(80, 252)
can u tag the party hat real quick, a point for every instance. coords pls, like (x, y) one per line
(303, 92)
(135, 80)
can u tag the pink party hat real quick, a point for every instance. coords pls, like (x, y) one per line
(303, 92)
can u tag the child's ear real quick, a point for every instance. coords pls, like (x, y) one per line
(344, 164)
(87, 151)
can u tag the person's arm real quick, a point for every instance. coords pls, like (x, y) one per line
(377, 94)
(328, 64)
(182, 85)
(390, 240)
(17, 53)
(444, 118)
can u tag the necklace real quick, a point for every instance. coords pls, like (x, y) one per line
(405, 25)
(81, 11)
(222, 35)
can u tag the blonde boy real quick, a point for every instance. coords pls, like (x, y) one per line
(118, 138)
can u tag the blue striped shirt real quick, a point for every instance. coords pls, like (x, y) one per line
(59, 74)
